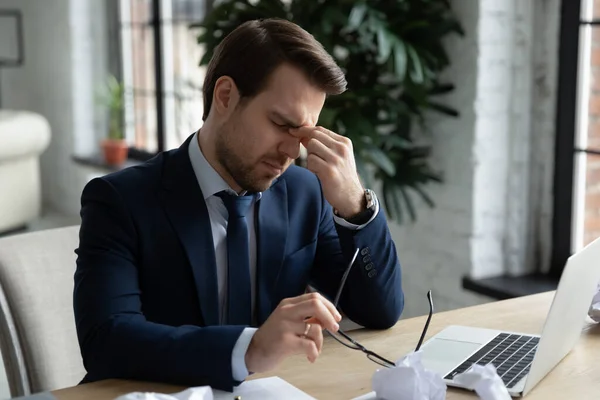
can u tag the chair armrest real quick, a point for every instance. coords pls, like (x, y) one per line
(22, 133)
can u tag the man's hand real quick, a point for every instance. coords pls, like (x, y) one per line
(331, 158)
(282, 334)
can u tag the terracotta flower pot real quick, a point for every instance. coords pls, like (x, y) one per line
(115, 151)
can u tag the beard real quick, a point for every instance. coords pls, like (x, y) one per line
(232, 155)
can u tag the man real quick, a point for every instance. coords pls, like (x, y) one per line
(192, 268)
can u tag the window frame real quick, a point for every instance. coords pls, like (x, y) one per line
(564, 145)
(156, 25)
(566, 167)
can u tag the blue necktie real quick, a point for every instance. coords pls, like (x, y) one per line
(239, 296)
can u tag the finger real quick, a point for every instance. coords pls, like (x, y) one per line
(334, 136)
(301, 298)
(315, 333)
(309, 348)
(314, 308)
(313, 295)
(330, 306)
(311, 131)
(318, 166)
(308, 133)
(316, 147)
(326, 137)
(302, 132)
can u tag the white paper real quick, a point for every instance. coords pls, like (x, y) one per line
(408, 380)
(273, 388)
(485, 381)
(368, 396)
(594, 311)
(197, 393)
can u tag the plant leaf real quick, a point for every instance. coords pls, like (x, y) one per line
(400, 59)
(392, 55)
(408, 202)
(363, 172)
(387, 204)
(356, 16)
(206, 58)
(442, 88)
(416, 72)
(396, 202)
(391, 203)
(379, 158)
(327, 117)
(392, 141)
(357, 125)
(424, 196)
(384, 41)
(443, 109)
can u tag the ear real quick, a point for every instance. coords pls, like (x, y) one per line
(225, 96)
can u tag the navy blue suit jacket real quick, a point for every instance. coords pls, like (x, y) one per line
(145, 295)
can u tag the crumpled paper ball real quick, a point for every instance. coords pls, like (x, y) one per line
(486, 382)
(408, 380)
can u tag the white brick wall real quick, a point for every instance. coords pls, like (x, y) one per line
(544, 76)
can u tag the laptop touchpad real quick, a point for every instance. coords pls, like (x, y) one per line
(443, 355)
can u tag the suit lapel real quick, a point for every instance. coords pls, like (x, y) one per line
(185, 207)
(272, 226)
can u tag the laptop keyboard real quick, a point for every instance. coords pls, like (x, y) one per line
(510, 354)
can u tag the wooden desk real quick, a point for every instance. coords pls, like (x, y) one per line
(341, 373)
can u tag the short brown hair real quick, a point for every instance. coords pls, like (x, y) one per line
(252, 51)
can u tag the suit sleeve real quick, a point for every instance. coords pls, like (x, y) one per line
(115, 339)
(373, 295)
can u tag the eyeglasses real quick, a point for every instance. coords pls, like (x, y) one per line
(353, 344)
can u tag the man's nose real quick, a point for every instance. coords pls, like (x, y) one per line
(290, 146)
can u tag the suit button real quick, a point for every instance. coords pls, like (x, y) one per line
(367, 259)
(364, 251)
(372, 273)
(369, 266)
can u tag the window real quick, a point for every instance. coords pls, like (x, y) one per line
(576, 184)
(587, 137)
(159, 65)
(577, 167)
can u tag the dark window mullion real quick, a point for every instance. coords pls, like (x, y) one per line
(158, 73)
(565, 136)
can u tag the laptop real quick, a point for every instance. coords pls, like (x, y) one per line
(522, 360)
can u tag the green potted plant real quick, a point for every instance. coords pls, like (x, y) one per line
(114, 147)
(392, 53)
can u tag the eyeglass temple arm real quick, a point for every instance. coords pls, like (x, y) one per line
(364, 349)
(344, 277)
(426, 323)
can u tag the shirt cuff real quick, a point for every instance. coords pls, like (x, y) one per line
(341, 221)
(238, 356)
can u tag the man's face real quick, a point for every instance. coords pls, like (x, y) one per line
(254, 144)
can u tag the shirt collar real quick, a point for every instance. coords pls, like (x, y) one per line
(209, 180)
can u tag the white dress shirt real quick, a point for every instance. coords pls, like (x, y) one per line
(212, 183)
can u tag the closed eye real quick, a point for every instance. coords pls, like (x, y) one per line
(284, 128)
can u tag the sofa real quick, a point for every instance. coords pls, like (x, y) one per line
(24, 136)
